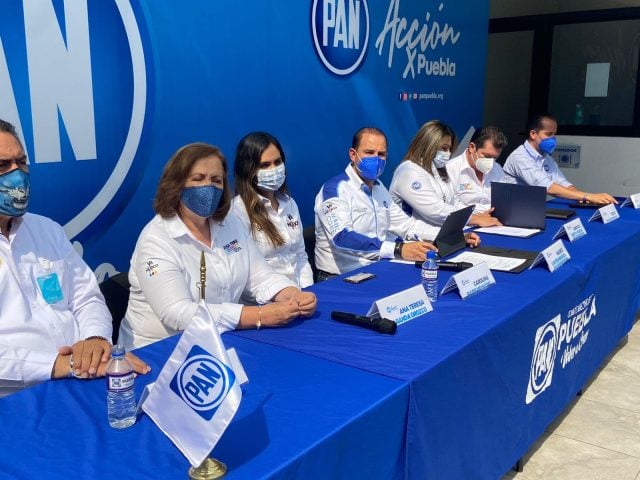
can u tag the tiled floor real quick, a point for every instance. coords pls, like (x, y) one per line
(598, 436)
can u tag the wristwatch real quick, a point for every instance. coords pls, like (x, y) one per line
(397, 251)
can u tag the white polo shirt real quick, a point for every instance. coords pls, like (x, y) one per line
(49, 298)
(289, 259)
(468, 188)
(528, 167)
(425, 196)
(355, 225)
(165, 278)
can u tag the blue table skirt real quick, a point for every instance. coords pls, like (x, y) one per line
(300, 417)
(469, 361)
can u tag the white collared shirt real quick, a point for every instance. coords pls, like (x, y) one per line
(468, 188)
(356, 226)
(289, 259)
(49, 298)
(528, 167)
(423, 195)
(165, 278)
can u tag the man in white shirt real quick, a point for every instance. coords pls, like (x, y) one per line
(357, 223)
(472, 172)
(53, 319)
(531, 164)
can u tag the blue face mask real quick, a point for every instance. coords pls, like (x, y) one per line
(15, 188)
(548, 145)
(202, 201)
(371, 167)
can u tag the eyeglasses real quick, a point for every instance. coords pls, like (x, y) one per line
(21, 163)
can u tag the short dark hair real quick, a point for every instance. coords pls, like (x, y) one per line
(357, 137)
(6, 127)
(489, 134)
(174, 177)
(535, 121)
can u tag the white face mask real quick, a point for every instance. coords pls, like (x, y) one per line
(271, 179)
(441, 158)
(484, 165)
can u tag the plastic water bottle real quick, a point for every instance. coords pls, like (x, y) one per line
(429, 274)
(121, 397)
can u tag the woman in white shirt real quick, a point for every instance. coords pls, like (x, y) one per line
(192, 222)
(265, 206)
(421, 185)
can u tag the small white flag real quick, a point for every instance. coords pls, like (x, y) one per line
(197, 393)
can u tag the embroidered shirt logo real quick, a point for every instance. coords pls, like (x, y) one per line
(416, 185)
(232, 247)
(292, 223)
(328, 208)
(152, 268)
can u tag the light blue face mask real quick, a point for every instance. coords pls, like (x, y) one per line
(371, 167)
(441, 159)
(548, 145)
(15, 188)
(202, 200)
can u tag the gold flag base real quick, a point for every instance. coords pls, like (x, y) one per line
(208, 470)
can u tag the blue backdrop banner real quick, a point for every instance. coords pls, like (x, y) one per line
(104, 92)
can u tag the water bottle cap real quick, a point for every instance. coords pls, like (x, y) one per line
(117, 351)
(431, 254)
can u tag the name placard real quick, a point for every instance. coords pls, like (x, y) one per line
(555, 255)
(632, 200)
(470, 281)
(608, 213)
(573, 230)
(402, 306)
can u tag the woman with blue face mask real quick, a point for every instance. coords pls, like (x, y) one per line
(263, 203)
(421, 184)
(192, 224)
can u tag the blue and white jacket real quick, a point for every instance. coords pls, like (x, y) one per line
(356, 226)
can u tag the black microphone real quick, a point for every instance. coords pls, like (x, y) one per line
(382, 325)
(454, 266)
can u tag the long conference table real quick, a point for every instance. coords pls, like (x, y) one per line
(459, 393)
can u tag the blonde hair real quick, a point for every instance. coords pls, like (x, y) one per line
(426, 143)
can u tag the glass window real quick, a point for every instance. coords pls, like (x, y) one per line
(594, 70)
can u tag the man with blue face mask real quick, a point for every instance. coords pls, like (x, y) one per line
(531, 164)
(357, 223)
(53, 319)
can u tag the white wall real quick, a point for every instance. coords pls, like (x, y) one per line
(607, 164)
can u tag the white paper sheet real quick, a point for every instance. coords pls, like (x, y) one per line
(509, 231)
(502, 264)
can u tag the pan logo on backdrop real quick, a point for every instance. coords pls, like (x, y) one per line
(73, 82)
(417, 39)
(551, 337)
(340, 33)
